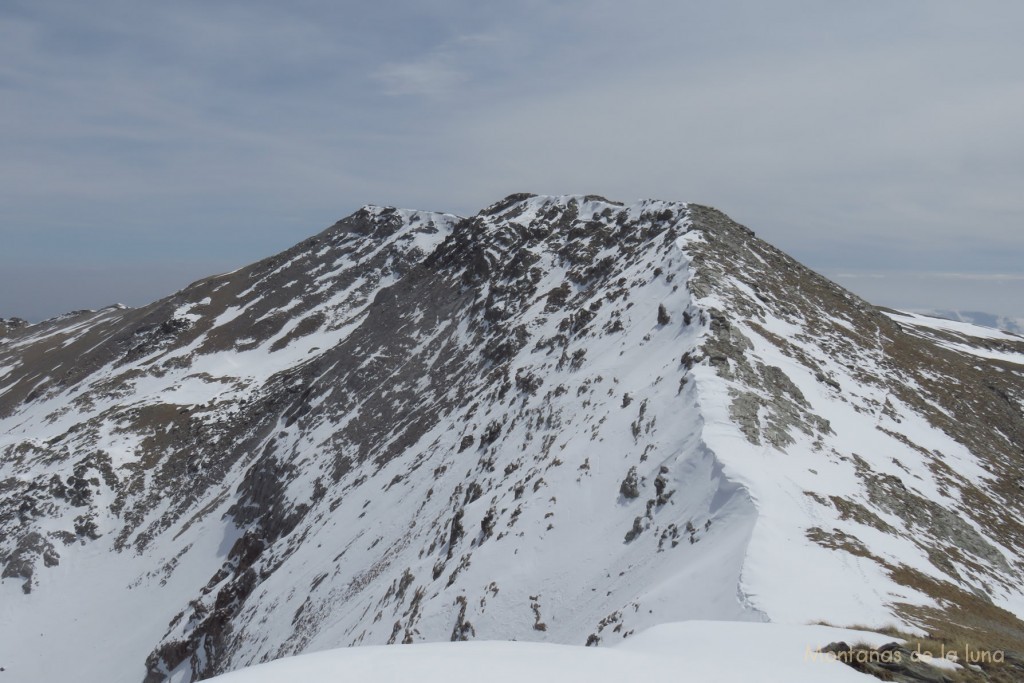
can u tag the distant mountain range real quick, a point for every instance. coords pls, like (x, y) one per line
(999, 322)
(562, 419)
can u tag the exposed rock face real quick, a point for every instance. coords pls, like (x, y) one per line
(562, 418)
(9, 325)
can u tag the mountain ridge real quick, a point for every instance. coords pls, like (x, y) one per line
(689, 400)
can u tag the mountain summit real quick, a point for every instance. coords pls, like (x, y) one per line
(562, 419)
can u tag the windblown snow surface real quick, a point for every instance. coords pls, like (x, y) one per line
(563, 420)
(703, 651)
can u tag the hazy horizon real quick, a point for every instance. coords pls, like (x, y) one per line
(142, 284)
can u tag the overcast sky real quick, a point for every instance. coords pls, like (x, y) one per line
(144, 145)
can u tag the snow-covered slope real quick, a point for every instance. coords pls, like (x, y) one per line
(964, 337)
(1000, 322)
(563, 419)
(722, 652)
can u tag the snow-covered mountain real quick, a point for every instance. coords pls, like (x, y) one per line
(563, 419)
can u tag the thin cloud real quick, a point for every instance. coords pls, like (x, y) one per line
(431, 77)
(975, 277)
(441, 69)
(979, 277)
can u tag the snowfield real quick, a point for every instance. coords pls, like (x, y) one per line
(699, 651)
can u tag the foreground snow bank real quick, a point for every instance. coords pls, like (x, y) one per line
(707, 651)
